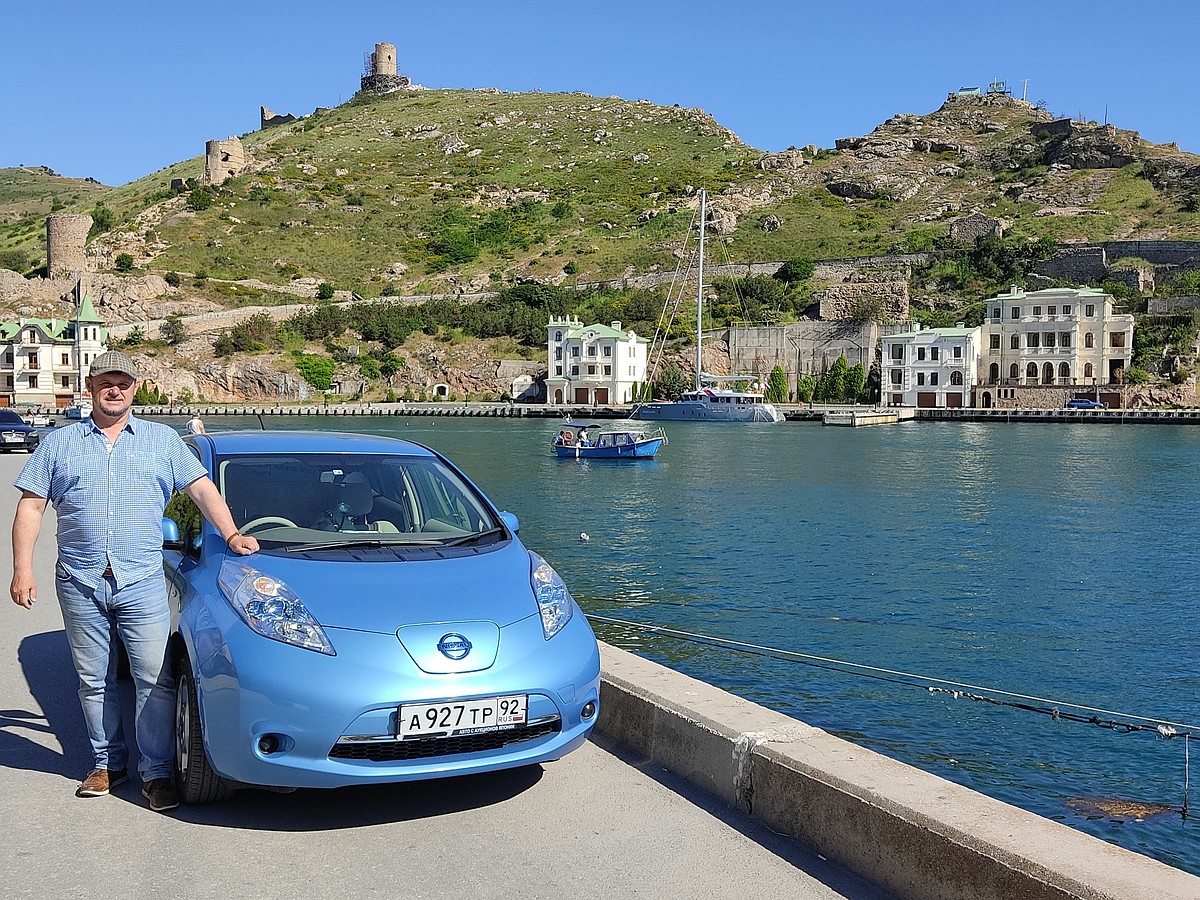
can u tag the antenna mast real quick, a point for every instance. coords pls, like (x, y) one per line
(700, 288)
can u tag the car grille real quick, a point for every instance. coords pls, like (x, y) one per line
(424, 748)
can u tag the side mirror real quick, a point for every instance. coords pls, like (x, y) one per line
(170, 535)
(510, 521)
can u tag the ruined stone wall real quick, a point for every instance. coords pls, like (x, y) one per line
(804, 348)
(971, 228)
(1078, 264)
(223, 160)
(267, 118)
(887, 301)
(66, 239)
(1163, 306)
(1167, 252)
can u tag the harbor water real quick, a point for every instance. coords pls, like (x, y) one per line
(1057, 562)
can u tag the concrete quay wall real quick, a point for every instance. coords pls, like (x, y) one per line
(910, 832)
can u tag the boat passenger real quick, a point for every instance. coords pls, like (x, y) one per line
(583, 438)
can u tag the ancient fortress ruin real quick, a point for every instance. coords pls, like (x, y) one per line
(66, 237)
(223, 160)
(379, 72)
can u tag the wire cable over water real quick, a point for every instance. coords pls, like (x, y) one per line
(1058, 710)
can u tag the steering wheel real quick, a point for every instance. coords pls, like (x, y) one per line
(266, 520)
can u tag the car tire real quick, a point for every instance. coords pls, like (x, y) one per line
(194, 777)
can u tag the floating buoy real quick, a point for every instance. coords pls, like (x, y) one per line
(584, 536)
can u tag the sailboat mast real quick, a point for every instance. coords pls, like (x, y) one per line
(700, 288)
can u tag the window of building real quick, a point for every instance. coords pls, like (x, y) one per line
(33, 382)
(1014, 342)
(66, 359)
(1089, 310)
(1066, 310)
(8, 381)
(592, 351)
(958, 352)
(66, 381)
(996, 313)
(1116, 339)
(897, 376)
(558, 335)
(575, 352)
(1051, 310)
(1064, 371)
(897, 351)
(608, 351)
(591, 370)
(31, 336)
(1037, 310)
(934, 353)
(994, 342)
(1088, 371)
(558, 352)
(1014, 371)
(1031, 370)
(920, 354)
(558, 370)
(920, 378)
(933, 378)
(8, 356)
(1033, 340)
(1050, 338)
(1089, 340)
(1016, 312)
(956, 378)
(574, 370)
(1064, 339)
(608, 370)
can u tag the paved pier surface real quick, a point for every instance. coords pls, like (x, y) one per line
(597, 824)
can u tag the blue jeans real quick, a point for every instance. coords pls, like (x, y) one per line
(139, 613)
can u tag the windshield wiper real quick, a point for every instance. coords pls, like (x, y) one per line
(470, 538)
(362, 542)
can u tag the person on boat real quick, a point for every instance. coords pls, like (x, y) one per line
(583, 438)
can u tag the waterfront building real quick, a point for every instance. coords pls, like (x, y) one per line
(592, 365)
(1040, 348)
(43, 362)
(931, 368)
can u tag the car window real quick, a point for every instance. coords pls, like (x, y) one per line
(8, 417)
(317, 499)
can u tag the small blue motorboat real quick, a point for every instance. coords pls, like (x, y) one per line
(580, 440)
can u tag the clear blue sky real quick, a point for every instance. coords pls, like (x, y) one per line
(117, 90)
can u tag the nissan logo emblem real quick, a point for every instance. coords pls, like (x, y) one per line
(454, 646)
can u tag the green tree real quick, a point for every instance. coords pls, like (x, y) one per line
(777, 385)
(103, 219)
(805, 388)
(832, 388)
(369, 368)
(325, 291)
(1186, 284)
(671, 384)
(172, 329)
(856, 381)
(16, 260)
(124, 262)
(795, 270)
(316, 370)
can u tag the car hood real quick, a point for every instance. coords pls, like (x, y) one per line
(383, 597)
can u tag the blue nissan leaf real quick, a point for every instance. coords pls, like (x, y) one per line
(392, 627)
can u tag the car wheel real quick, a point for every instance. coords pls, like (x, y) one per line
(194, 777)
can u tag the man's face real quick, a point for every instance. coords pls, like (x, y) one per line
(112, 393)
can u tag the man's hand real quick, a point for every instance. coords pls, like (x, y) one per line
(23, 589)
(243, 544)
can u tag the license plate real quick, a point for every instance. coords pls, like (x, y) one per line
(461, 716)
(14, 438)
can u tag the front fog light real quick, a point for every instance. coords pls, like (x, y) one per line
(589, 709)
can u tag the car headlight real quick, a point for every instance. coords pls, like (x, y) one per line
(271, 608)
(553, 599)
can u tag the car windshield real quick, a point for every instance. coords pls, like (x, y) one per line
(8, 417)
(319, 501)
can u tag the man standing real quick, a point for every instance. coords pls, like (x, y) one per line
(195, 424)
(110, 477)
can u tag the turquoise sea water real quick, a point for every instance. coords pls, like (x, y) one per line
(1057, 561)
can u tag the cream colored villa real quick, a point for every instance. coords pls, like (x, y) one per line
(932, 368)
(592, 365)
(43, 361)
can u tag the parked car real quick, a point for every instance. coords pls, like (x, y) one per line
(1085, 403)
(393, 627)
(16, 433)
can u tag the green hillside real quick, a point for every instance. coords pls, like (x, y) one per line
(479, 188)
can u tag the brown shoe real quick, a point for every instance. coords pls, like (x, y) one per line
(161, 794)
(99, 781)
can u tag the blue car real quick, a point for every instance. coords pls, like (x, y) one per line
(1085, 403)
(391, 628)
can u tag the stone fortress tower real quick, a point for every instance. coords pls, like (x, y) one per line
(223, 160)
(379, 72)
(66, 237)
